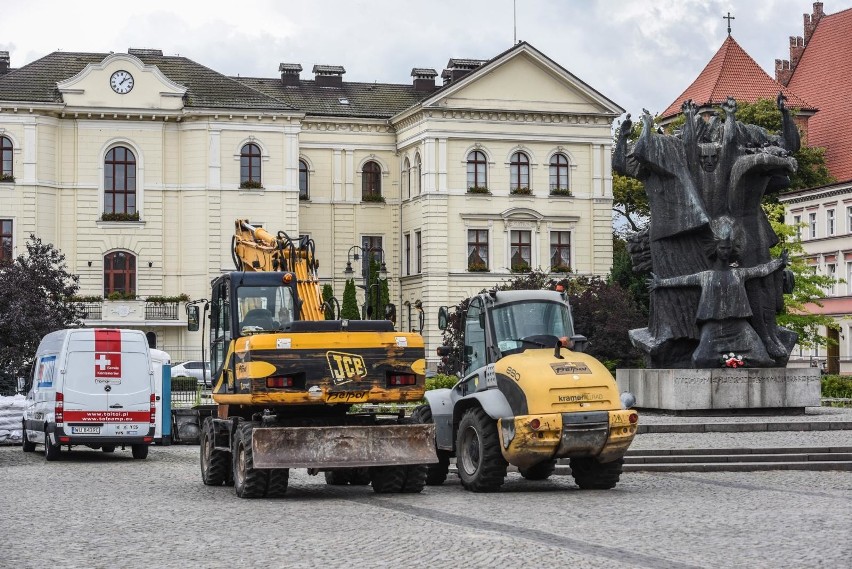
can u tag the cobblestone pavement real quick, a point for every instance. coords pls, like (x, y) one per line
(95, 510)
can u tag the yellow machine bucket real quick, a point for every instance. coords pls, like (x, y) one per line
(343, 447)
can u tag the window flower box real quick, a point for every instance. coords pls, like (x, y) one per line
(373, 198)
(521, 268)
(7, 178)
(120, 216)
(478, 190)
(477, 268)
(560, 269)
(560, 192)
(521, 191)
(251, 185)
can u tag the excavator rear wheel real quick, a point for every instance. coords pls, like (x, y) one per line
(387, 479)
(436, 473)
(589, 474)
(215, 464)
(480, 463)
(249, 482)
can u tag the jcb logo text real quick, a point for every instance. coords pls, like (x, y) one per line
(345, 367)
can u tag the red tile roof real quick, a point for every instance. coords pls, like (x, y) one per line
(824, 77)
(733, 73)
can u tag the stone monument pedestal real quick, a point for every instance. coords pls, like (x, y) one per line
(722, 388)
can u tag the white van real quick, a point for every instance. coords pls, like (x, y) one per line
(92, 387)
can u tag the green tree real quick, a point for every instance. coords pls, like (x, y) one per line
(810, 286)
(349, 310)
(623, 275)
(327, 296)
(34, 289)
(378, 291)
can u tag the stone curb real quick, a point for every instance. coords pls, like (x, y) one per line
(744, 427)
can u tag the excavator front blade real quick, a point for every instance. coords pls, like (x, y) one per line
(343, 447)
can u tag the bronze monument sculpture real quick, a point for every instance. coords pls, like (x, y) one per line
(715, 289)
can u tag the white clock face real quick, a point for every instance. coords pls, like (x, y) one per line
(121, 82)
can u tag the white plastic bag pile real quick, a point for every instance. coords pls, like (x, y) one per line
(11, 412)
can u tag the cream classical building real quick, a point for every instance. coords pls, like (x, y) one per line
(136, 165)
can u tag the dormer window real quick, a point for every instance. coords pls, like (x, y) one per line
(343, 101)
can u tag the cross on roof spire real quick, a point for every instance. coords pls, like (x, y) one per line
(729, 18)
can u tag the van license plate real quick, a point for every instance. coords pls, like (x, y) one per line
(85, 430)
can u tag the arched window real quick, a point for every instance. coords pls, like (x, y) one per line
(418, 173)
(250, 166)
(120, 181)
(519, 173)
(559, 174)
(476, 171)
(406, 178)
(371, 182)
(303, 180)
(6, 159)
(119, 273)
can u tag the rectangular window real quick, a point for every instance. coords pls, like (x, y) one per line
(849, 279)
(6, 236)
(797, 223)
(408, 253)
(560, 251)
(477, 249)
(812, 224)
(831, 271)
(849, 219)
(372, 249)
(829, 222)
(418, 252)
(520, 255)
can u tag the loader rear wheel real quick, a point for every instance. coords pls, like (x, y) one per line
(481, 466)
(249, 482)
(540, 471)
(415, 478)
(589, 474)
(436, 473)
(279, 478)
(214, 463)
(360, 477)
(387, 479)
(340, 477)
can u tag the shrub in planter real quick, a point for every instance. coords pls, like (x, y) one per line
(120, 216)
(521, 191)
(7, 178)
(167, 299)
(560, 192)
(477, 267)
(118, 295)
(251, 185)
(374, 198)
(521, 268)
(478, 190)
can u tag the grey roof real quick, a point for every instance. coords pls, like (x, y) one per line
(36, 82)
(423, 72)
(289, 67)
(140, 51)
(465, 63)
(367, 100)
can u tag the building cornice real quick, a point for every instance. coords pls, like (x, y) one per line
(817, 194)
(495, 115)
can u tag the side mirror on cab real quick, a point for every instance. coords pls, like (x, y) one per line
(580, 342)
(443, 317)
(192, 318)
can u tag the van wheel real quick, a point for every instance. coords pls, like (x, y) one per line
(249, 482)
(51, 451)
(139, 451)
(214, 463)
(108, 448)
(28, 446)
(480, 463)
(589, 474)
(436, 473)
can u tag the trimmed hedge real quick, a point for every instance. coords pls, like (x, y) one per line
(837, 386)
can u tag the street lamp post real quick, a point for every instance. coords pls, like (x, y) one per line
(370, 308)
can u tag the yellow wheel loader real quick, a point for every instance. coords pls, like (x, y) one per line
(528, 396)
(285, 380)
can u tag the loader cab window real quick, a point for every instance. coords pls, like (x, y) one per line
(474, 337)
(264, 308)
(530, 325)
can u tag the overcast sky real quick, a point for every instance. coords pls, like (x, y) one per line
(637, 53)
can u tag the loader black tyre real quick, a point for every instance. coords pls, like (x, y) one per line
(387, 479)
(481, 466)
(540, 471)
(215, 464)
(436, 473)
(249, 482)
(589, 474)
(415, 478)
(339, 477)
(360, 477)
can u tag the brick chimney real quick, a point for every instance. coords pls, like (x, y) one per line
(289, 73)
(424, 79)
(4, 62)
(328, 75)
(812, 21)
(797, 48)
(783, 72)
(458, 68)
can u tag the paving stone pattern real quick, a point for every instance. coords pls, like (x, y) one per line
(94, 510)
